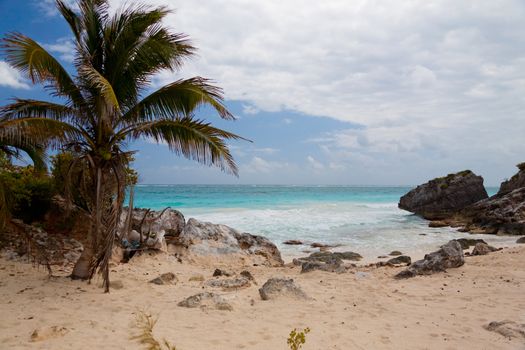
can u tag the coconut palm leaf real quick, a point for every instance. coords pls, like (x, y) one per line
(26, 55)
(178, 99)
(193, 139)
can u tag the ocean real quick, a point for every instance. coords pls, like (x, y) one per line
(362, 219)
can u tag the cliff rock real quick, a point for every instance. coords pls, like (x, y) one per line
(440, 198)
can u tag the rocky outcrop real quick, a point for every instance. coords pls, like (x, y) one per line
(281, 287)
(521, 240)
(330, 265)
(207, 239)
(230, 283)
(398, 260)
(515, 182)
(165, 278)
(466, 243)
(440, 198)
(448, 256)
(499, 214)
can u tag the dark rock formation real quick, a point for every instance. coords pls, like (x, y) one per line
(206, 299)
(508, 329)
(293, 242)
(515, 182)
(521, 240)
(438, 223)
(483, 249)
(395, 253)
(219, 272)
(402, 259)
(323, 256)
(448, 256)
(442, 197)
(466, 243)
(207, 239)
(165, 278)
(281, 287)
(500, 214)
(247, 274)
(329, 265)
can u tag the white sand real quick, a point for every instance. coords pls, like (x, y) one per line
(347, 311)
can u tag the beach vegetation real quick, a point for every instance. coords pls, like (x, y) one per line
(145, 323)
(297, 339)
(107, 103)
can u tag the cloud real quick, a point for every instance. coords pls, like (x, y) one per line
(65, 47)
(314, 164)
(10, 77)
(259, 165)
(48, 7)
(249, 109)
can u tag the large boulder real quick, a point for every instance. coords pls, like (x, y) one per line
(276, 288)
(440, 198)
(499, 214)
(449, 255)
(211, 240)
(515, 182)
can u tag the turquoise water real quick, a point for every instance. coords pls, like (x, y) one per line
(363, 219)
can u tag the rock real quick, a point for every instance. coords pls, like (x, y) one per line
(196, 278)
(230, 284)
(248, 275)
(206, 300)
(402, 259)
(332, 265)
(205, 239)
(46, 333)
(324, 256)
(515, 182)
(293, 242)
(281, 287)
(448, 256)
(521, 240)
(438, 223)
(466, 243)
(165, 278)
(395, 253)
(440, 198)
(508, 329)
(382, 257)
(483, 249)
(502, 214)
(323, 246)
(219, 272)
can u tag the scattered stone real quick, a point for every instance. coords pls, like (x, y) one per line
(248, 275)
(48, 333)
(448, 256)
(395, 253)
(483, 249)
(402, 259)
(382, 257)
(508, 329)
(206, 300)
(324, 246)
(219, 272)
(332, 265)
(440, 198)
(281, 287)
(521, 240)
(293, 242)
(437, 223)
(196, 278)
(165, 278)
(466, 243)
(325, 256)
(229, 284)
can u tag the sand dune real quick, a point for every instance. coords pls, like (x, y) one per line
(363, 309)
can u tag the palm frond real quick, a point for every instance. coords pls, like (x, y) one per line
(192, 139)
(177, 100)
(26, 55)
(21, 108)
(71, 18)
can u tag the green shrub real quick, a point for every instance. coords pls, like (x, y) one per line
(297, 339)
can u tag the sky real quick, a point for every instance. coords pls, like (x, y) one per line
(338, 92)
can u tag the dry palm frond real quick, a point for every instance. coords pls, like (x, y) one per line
(146, 323)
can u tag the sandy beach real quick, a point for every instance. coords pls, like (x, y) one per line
(365, 308)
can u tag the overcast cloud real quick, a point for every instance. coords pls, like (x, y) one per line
(437, 86)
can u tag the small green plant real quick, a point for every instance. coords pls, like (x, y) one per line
(145, 324)
(297, 339)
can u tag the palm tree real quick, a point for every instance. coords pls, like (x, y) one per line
(105, 107)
